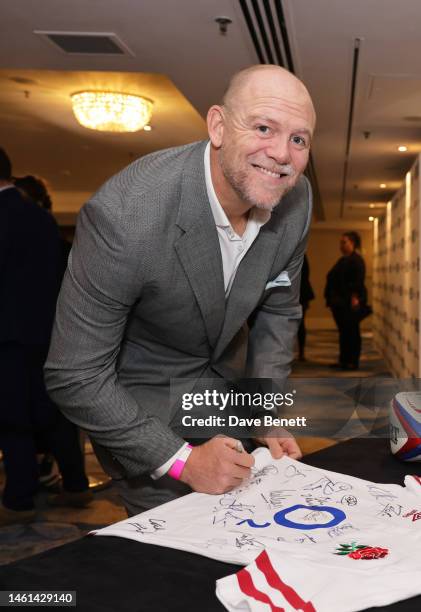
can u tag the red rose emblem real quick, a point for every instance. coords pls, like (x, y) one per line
(369, 552)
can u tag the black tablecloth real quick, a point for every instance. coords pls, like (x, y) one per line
(118, 575)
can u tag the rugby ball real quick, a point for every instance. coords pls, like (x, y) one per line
(405, 425)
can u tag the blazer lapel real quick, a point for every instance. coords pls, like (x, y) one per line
(198, 247)
(250, 281)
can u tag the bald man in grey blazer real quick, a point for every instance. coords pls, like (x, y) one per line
(186, 266)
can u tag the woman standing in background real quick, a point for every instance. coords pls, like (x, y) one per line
(306, 295)
(346, 296)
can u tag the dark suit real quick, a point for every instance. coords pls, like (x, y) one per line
(30, 261)
(344, 280)
(29, 274)
(29, 283)
(306, 295)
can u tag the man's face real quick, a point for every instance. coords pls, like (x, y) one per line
(265, 146)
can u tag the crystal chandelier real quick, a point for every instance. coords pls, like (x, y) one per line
(109, 111)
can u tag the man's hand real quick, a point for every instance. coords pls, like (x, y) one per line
(216, 467)
(281, 443)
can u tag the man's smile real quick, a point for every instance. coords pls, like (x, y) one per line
(271, 173)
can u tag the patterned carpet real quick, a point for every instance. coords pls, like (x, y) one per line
(56, 526)
(339, 405)
(322, 350)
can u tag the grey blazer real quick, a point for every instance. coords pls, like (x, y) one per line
(142, 305)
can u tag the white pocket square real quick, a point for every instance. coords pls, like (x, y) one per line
(282, 280)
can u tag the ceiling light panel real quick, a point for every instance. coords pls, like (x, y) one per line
(85, 43)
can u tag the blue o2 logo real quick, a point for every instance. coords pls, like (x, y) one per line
(280, 518)
(337, 517)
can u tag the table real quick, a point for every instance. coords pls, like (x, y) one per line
(118, 575)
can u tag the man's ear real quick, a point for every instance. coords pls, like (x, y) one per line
(216, 123)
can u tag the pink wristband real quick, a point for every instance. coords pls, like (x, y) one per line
(177, 467)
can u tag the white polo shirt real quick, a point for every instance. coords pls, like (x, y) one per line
(233, 247)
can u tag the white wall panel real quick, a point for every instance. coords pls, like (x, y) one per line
(397, 279)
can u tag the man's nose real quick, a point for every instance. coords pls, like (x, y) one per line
(279, 150)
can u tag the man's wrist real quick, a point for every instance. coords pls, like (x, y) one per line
(177, 467)
(163, 469)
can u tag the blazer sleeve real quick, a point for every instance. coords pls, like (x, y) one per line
(274, 325)
(102, 282)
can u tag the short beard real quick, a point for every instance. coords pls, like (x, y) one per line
(237, 182)
(269, 205)
(266, 206)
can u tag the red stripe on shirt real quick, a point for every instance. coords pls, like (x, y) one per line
(274, 580)
(246, 585)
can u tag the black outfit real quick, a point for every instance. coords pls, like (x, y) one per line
(344, 280)
(30, 275)
(306, 295)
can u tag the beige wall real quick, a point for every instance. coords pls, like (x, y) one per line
(66, 205)
(323, 252)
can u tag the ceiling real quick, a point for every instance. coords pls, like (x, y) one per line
(38, 125)
(360, 60)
